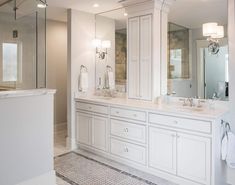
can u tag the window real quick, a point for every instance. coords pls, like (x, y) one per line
(175, 63)
(10, 62)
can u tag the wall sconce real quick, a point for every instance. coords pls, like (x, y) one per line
(42, 4)
(214, 33)
(101, 47)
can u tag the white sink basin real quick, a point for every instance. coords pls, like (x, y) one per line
(102, 97)
(188, 109)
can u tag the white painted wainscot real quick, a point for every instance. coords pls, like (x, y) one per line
(180, 146)
(26, 137)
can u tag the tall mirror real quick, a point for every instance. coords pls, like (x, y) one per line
(198, 49)
(111, 34)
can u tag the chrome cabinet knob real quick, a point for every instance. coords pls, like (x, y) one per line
(126, 150)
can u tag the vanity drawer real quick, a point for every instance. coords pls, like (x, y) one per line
(128, 151)
(130, 114)
(128, 130)
(184, 123)
(92, 107)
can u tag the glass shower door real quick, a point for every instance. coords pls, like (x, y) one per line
(22, 46)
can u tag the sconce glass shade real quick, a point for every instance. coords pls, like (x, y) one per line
(96, 43)
(106, 44)
(219, 33)
(209, 29)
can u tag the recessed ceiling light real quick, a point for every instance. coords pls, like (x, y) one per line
(96, 5)
(125, 14)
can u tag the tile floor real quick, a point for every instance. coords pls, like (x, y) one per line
(60, 134)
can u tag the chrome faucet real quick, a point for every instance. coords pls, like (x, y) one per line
(191, 102)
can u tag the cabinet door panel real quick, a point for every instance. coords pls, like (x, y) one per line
(162, 149)
(99, 133)
(194, 158)
(146, 57)
(83, 128)
(133, 57)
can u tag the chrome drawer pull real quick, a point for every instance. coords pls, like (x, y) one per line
(126, 150)
(126, 130)
(117, 112)
(175, 122)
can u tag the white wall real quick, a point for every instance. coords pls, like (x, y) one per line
(57, 66)
(81, 32)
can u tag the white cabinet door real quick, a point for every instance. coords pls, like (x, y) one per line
(140, 57)
(83, 125)
(193, 158)
(146, 57)
(133, 57)
(99, 133)
(162, 149)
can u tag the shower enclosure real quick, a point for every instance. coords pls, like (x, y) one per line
(22, 44)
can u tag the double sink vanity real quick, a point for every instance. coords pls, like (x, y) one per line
(155, 52)
(181, 145)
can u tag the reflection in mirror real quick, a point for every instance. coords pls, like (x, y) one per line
(112, 26)
(198, 52)
(121, 56)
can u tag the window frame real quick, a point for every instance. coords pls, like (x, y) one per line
(19, 63)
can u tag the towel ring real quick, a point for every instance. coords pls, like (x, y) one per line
(226, 126)
(109, 68)
(83, 68)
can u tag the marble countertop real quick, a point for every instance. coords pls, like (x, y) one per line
(24, 93)
(173, 107)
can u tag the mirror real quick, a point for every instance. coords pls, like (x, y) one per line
(197, 59)
(111, 34)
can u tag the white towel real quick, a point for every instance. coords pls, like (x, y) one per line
(110, 80)
(224, 147)
(230, 158)
(83, 82)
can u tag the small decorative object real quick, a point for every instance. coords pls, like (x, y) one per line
(214, 33)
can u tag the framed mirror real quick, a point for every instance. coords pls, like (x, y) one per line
(111, 38)
(198, 49)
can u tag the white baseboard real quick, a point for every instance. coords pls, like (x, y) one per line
(71, 143)
(45, 179)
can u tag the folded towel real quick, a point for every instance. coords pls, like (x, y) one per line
(110, 80)
(230, 158)
(83, 82)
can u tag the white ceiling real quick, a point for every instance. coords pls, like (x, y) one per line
(57, 8)
(188, 13)
(193, 13)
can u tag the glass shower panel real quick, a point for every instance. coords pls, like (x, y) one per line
(22, 46)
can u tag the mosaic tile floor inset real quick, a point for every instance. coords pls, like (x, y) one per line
(77, 169)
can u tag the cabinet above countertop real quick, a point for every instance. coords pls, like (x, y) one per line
(174, 108)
